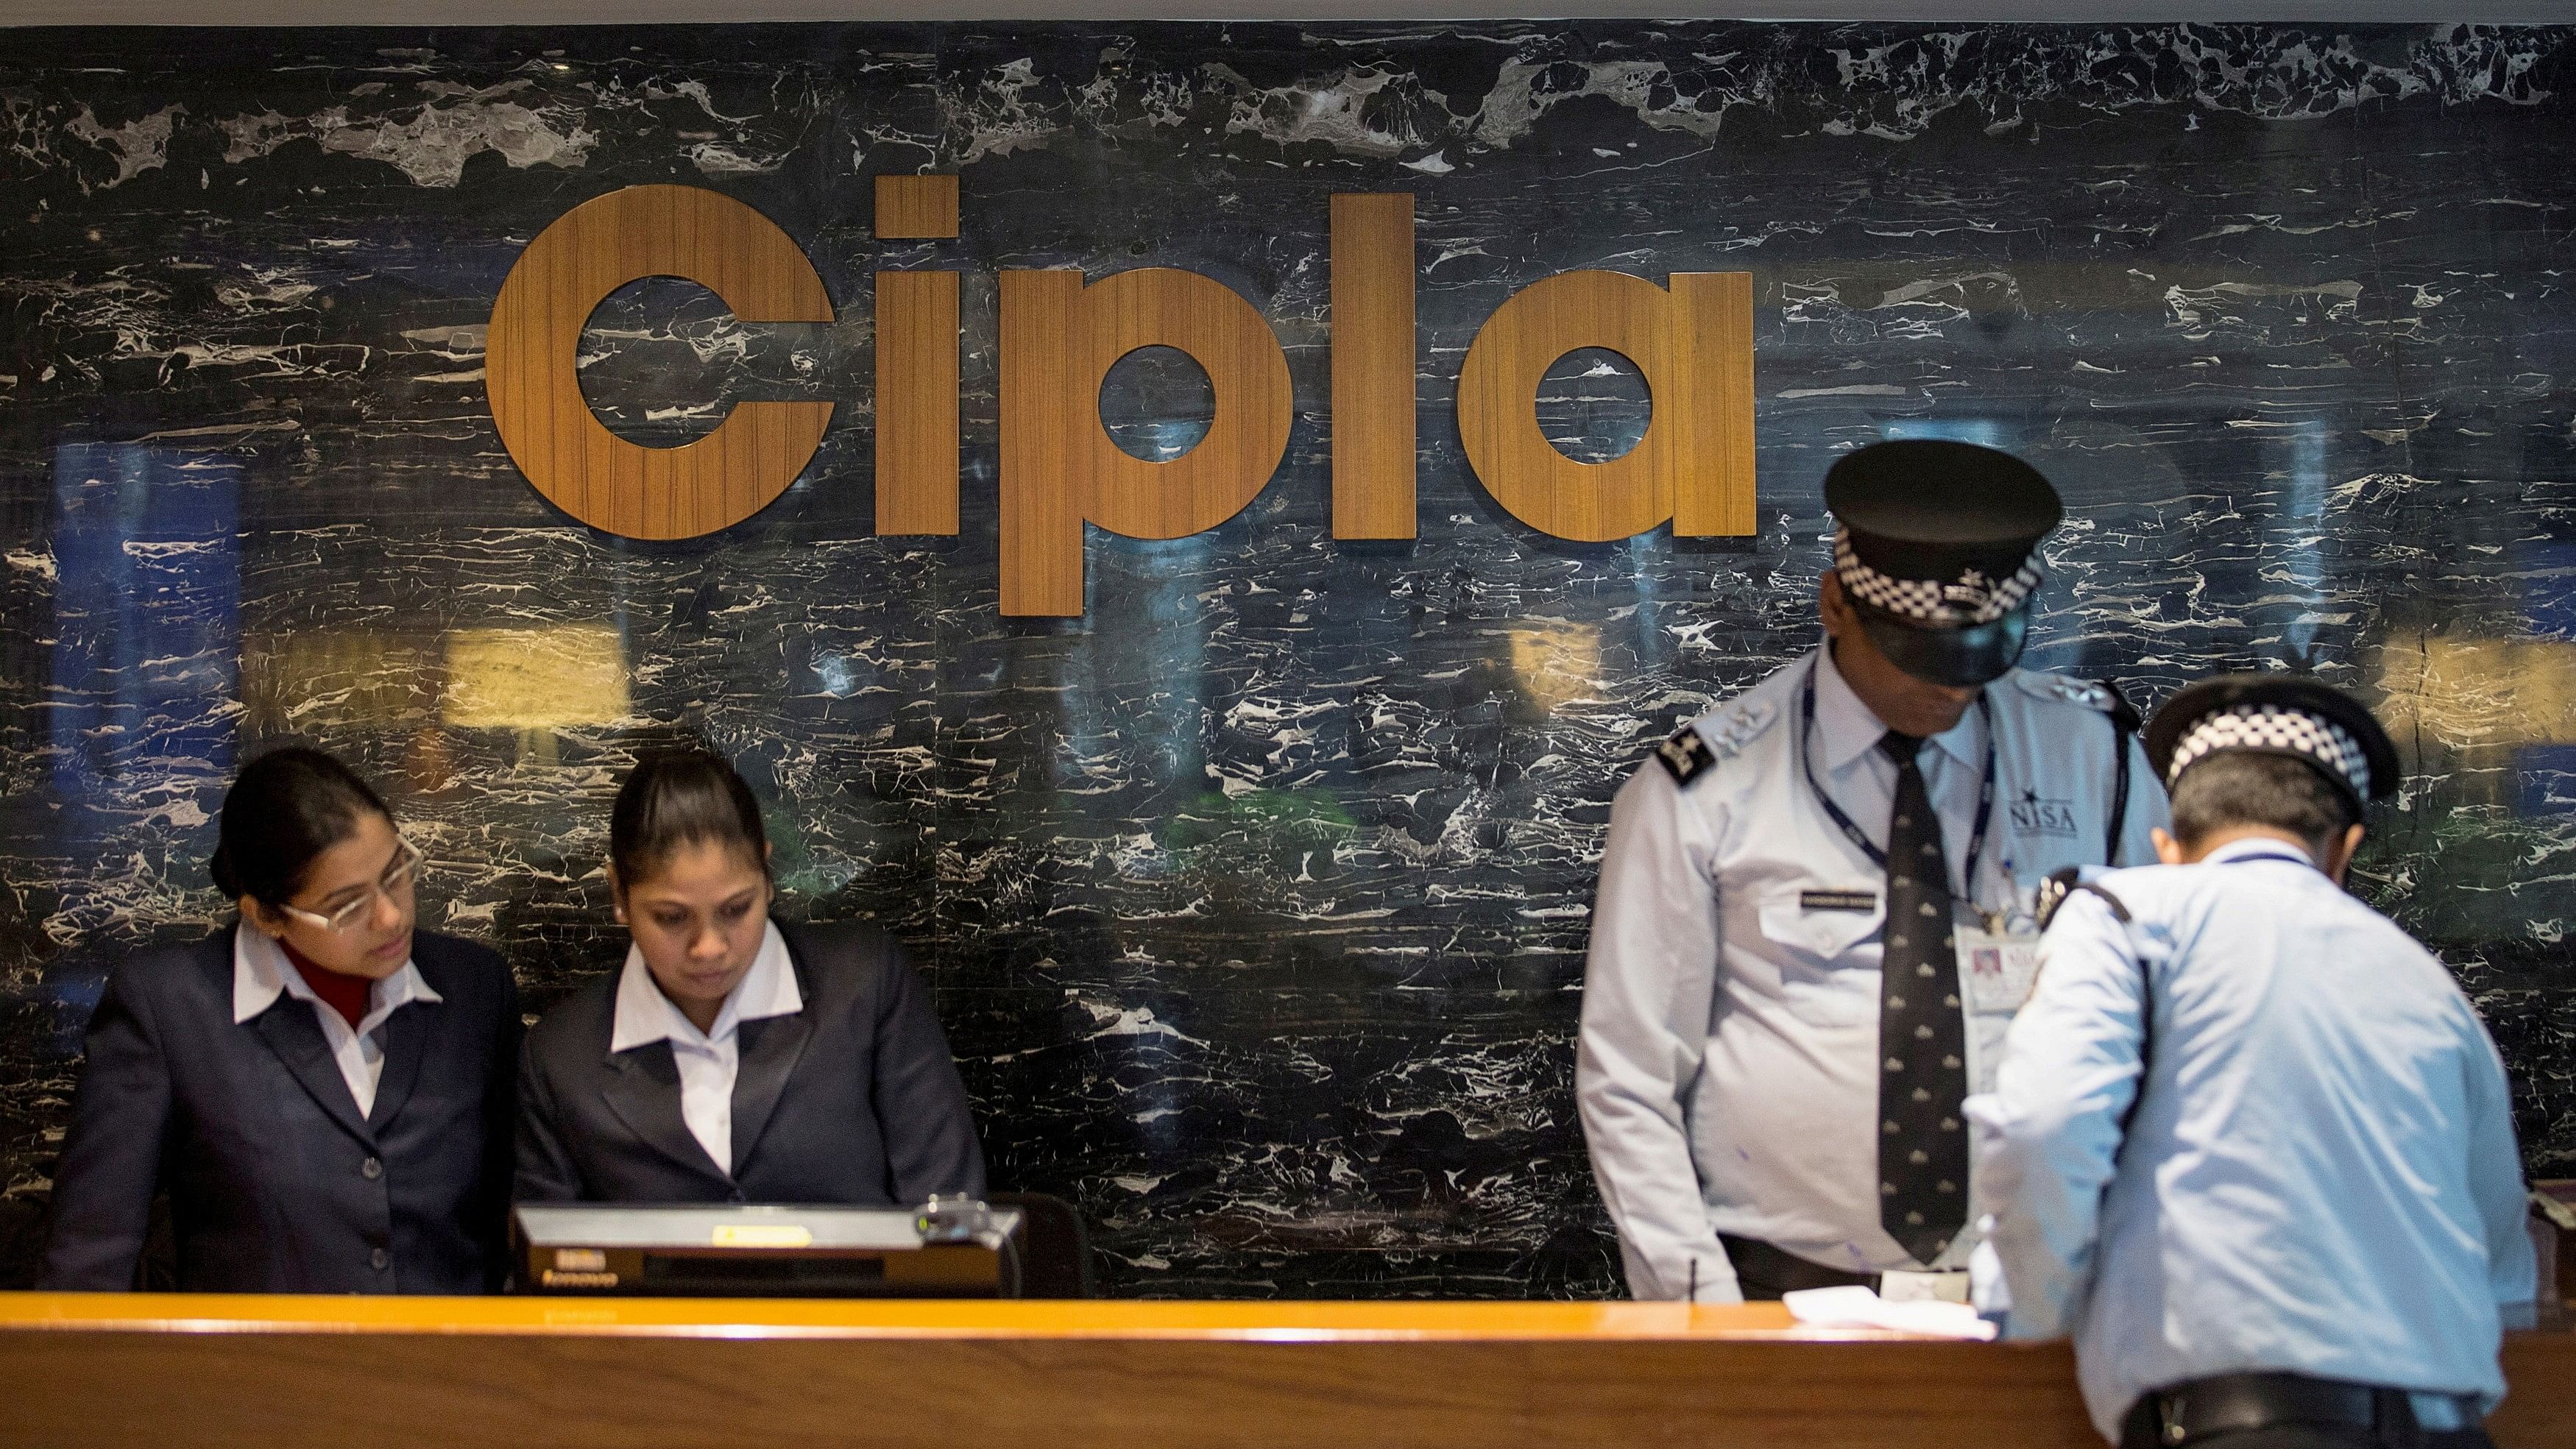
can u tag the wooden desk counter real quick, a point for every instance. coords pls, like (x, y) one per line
(174, 1370)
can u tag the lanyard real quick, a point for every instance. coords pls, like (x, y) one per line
(1852, 832)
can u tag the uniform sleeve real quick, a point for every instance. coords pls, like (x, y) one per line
(2148, 810)
(2048, 1136)
(2495, 1176)
(922, 1114)
(545, 1169)
(1647, 988)
(111, 1163)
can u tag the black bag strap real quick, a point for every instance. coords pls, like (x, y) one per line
(2125, 725)
(2053, 894)
(2063, 883)
(2146, 1009)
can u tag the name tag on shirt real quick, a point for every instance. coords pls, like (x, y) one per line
(1860, 901)
(1999, 969)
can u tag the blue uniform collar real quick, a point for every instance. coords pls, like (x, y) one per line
(1846, 729)
(2257, 848)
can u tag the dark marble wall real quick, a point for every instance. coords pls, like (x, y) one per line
(1255, 902)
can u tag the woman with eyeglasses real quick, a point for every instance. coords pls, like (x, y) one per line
(323, 1091)
(735, 1058)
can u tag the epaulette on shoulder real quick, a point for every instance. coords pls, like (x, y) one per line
(2102, 697)
(1690, 753)
(1685, 756)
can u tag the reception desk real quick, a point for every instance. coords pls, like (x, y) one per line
(161, 1371)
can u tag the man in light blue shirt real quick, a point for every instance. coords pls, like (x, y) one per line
(2249, 1143)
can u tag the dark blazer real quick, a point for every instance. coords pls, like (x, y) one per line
(853, 1099)
(275, 1184)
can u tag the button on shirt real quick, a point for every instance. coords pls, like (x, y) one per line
(1727, 1069)
(261, 973)
(708, 1061)
(2322, 1177)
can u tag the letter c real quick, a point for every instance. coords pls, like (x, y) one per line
(529, 362)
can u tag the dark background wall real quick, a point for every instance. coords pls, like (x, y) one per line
(1255, 901)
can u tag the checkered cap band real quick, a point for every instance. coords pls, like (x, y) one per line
(2272, 727)
(1963, 603)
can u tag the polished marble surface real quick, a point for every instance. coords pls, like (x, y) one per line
(1255, 901)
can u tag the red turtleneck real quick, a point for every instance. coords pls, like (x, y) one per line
(346, 995)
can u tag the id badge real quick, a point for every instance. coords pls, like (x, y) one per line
(1909, 1286)
(1999, 967)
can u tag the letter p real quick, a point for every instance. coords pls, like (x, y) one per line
(1059, 467)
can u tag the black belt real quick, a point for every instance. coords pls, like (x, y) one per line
(1764, 1271)
(2233, 1403)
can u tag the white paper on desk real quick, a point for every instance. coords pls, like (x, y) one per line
(1857, 1307)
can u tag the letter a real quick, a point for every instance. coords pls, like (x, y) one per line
(1694, 465)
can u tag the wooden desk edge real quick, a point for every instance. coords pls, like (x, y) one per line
(741, 1318)
(119, 1370)
(1244, 1321)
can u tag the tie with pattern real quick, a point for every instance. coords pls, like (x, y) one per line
(1922, 1038)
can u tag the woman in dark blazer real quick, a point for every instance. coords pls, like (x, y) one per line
(734, 1058)
(323, 1091)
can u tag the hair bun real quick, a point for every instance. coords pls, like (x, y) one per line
(221, 868)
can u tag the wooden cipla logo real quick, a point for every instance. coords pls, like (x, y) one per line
(1692, 339)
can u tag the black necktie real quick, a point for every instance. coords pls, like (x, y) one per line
(1922, 1038)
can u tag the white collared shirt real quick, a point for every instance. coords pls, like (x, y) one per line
(708, 1060)
(1728, 1065)
(261, 972)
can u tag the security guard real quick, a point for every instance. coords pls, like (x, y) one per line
(1814, 912)
(2249, 1142)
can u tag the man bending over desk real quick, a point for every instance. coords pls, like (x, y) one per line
(2248, 1141)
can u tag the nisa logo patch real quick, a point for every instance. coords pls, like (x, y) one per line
(2034, 815)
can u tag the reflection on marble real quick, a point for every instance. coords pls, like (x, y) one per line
(1255, 901)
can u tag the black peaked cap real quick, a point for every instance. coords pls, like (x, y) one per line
(1930, 509)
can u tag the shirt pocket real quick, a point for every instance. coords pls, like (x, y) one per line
(1811, 944)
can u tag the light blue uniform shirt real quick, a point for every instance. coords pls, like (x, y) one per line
(1728, 1066)
(2322, 1178)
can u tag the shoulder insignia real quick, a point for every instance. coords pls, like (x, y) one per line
(1741, 724)
(2059, 687)
(1685, 756)
(1690, 754)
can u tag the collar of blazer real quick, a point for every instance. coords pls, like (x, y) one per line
(289, 1028)
(643, 1086)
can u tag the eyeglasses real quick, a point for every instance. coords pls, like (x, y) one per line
(397, 877)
